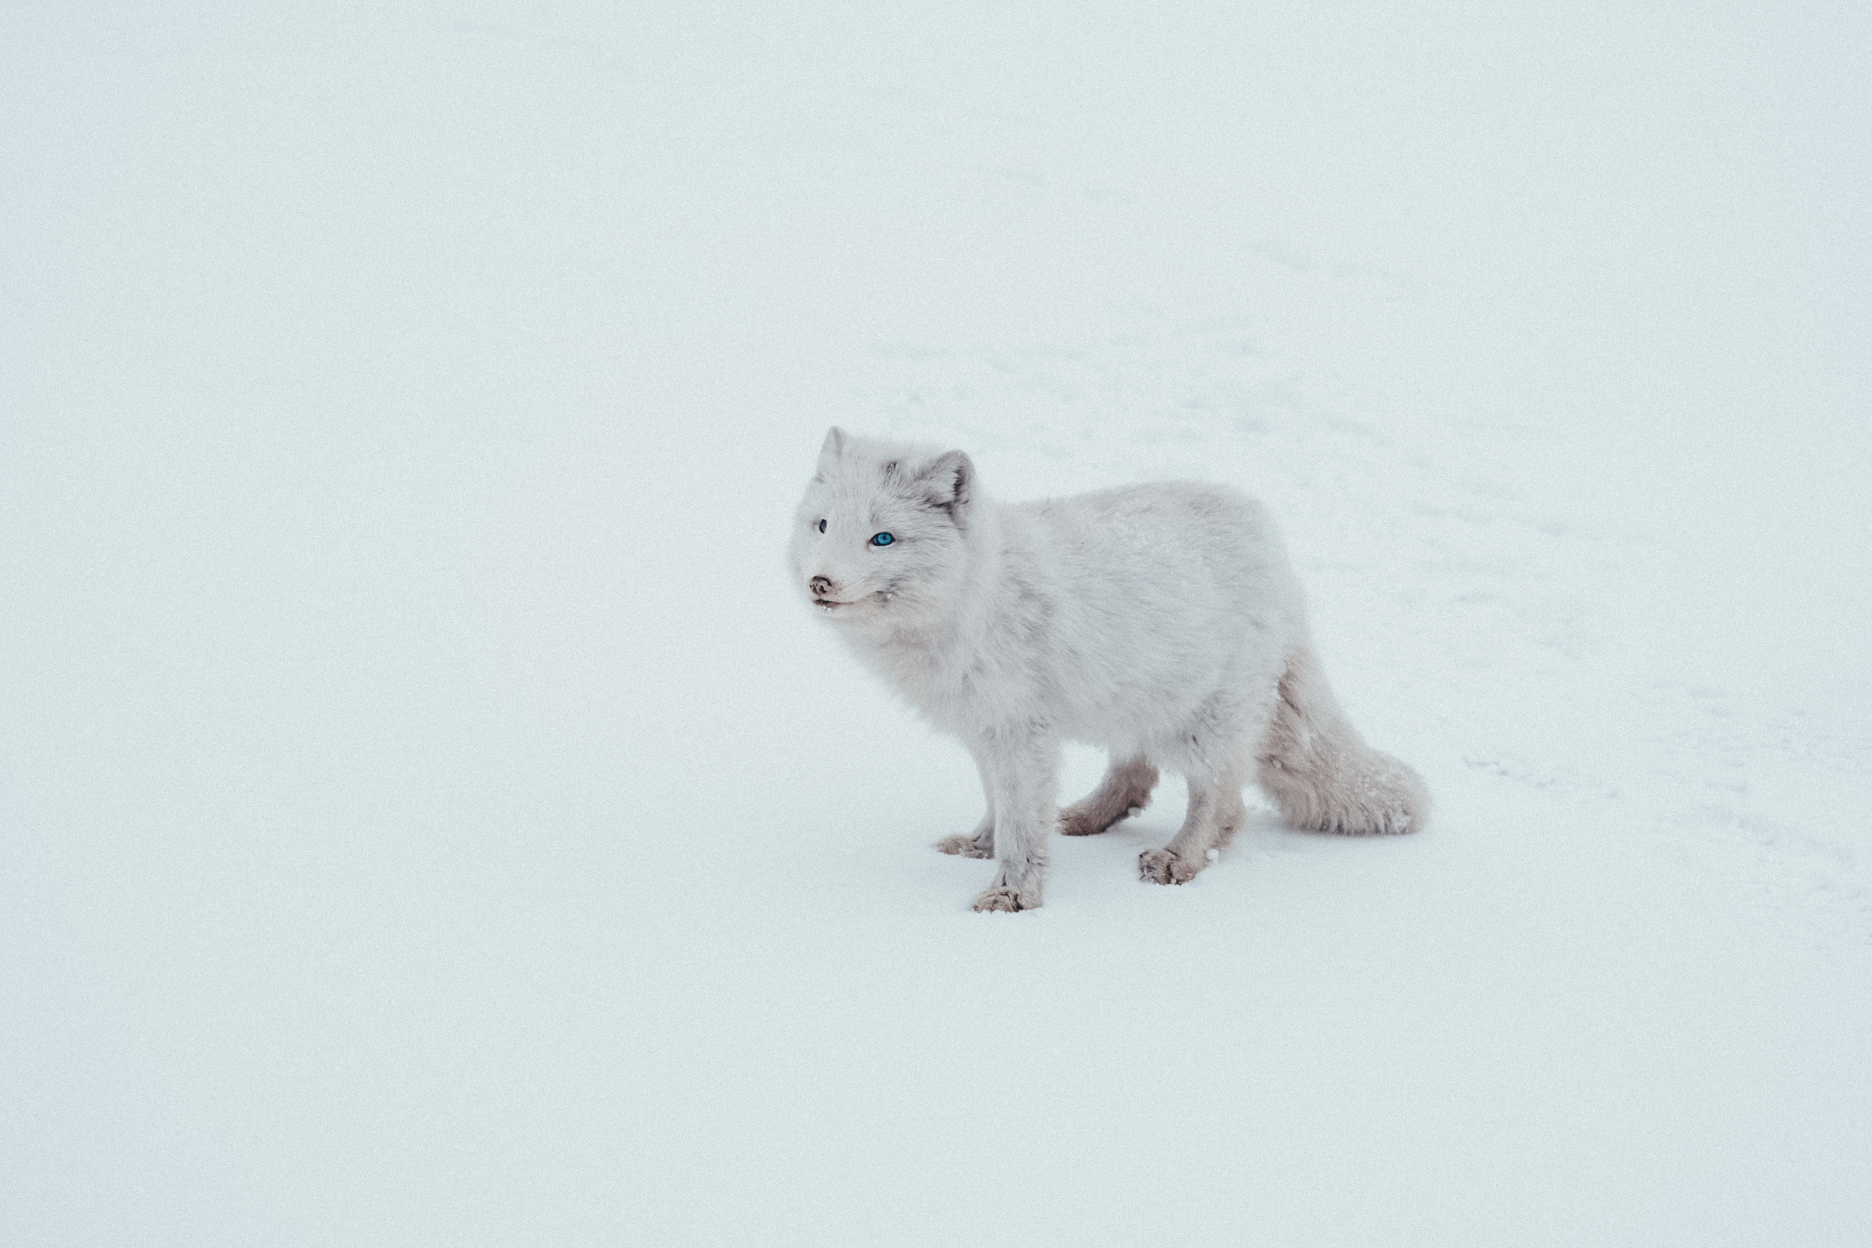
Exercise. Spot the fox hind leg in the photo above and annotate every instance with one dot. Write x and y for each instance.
(1125, 788)
(1216, 813)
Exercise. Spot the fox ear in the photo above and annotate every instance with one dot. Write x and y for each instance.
(833, 447)
(948, 483)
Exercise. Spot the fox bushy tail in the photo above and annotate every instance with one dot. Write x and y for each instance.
(1320, 772)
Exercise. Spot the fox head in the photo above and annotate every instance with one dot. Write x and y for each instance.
(879, 538)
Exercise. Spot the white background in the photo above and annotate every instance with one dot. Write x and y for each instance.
(428, 816)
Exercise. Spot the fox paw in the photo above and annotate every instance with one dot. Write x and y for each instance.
(1084, 821)
(967, 846)
(1004, 899)
(1160, 866)
(1089, 819)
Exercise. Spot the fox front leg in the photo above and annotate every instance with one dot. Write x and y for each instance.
(1023, 773)
(981, 842)
(977, 844)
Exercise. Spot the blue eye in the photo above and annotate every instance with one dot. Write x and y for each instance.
(882, 539)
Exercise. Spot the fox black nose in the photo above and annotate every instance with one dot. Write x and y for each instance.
(820, 586)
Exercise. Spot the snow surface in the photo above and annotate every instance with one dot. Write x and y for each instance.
(431, 819)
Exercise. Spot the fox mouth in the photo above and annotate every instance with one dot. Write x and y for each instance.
(876, 598)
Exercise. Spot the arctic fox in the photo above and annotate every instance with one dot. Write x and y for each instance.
(1161, 622)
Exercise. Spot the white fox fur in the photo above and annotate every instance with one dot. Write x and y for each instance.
(1161, 622)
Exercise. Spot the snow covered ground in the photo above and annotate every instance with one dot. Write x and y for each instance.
(427, 816)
